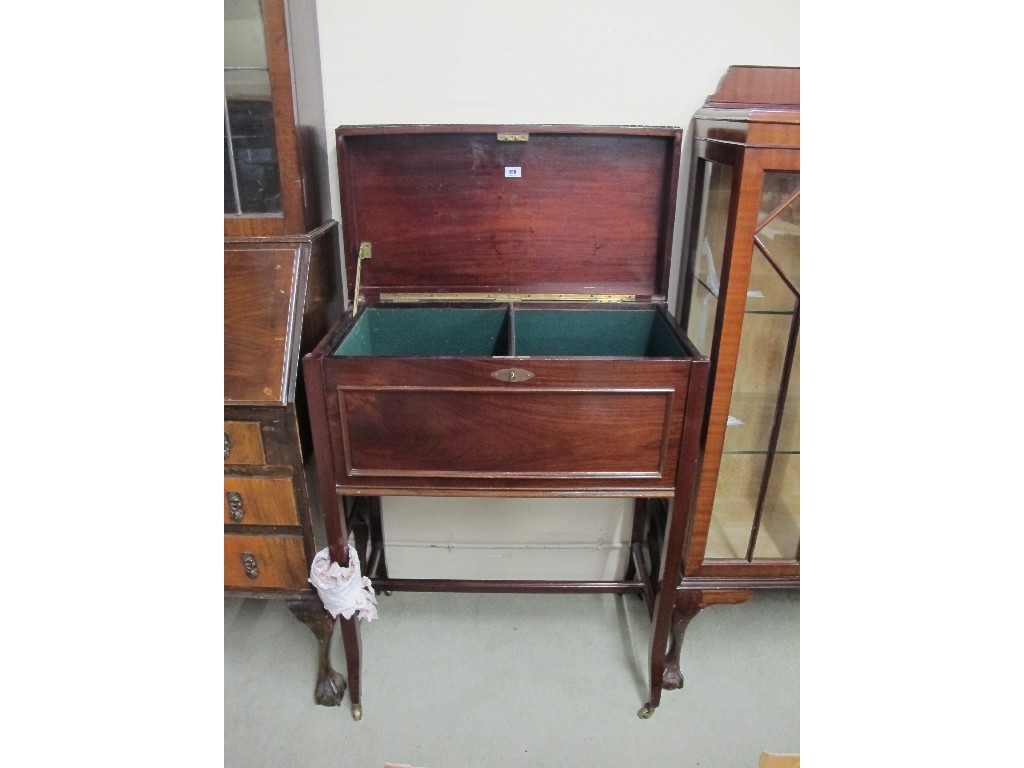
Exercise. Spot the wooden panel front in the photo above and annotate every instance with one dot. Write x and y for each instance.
(265, 562)
(526, 432)
(574, 424)
(259, 501)
(243, 443)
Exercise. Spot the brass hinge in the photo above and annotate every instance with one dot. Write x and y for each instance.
(415, 298)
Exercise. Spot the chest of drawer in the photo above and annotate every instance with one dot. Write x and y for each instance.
(243, 444)
(265, 562)
(259, 501)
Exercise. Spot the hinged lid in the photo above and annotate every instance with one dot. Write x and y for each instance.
(494, 211)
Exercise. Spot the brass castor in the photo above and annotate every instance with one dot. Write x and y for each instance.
(388, 592)
(645, 712)
(357, 712)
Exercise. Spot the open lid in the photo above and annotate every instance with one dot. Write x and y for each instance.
(528, 211)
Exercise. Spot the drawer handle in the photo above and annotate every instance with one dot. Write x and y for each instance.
(512, 375)
(227, 444)
(235, 506)
(252, 568)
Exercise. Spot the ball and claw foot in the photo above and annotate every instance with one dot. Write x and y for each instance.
(357, 712)
(672, 678)
(330, 690)
(645, 712)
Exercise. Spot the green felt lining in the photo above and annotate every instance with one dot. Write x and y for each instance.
(485, 332)
(427, 332)
(594, 333)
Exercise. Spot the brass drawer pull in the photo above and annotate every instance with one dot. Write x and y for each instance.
(235, 506)
(227, 444)
(252, 568)
(512, 375)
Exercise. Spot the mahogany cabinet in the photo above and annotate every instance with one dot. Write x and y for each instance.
(282, 290)
(508, 336)
(740, 303)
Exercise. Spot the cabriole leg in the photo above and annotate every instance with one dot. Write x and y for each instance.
(690, 602)
(688, 605)
(330, 685)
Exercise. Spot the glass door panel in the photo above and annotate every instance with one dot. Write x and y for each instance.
(756, 512)
(716, 180)
(251, 176)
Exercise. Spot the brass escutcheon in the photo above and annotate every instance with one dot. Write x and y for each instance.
(512, 375)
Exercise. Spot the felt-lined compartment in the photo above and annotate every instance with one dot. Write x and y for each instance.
(504, 331)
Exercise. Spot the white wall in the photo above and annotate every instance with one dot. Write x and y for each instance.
(645, 62)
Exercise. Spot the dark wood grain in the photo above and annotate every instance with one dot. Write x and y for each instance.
(592, 212)
(576, 424)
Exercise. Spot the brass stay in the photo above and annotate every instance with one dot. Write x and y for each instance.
(365, 252)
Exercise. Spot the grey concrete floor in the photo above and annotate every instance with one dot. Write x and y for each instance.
(453, 680)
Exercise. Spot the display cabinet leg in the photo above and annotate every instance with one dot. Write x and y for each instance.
(330, 685)
(353, 662)
(688, 605)
(690, 602)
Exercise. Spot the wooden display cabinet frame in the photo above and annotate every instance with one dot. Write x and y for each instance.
(752, 125)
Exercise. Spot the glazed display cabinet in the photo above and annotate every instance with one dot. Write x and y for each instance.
(740, 304)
